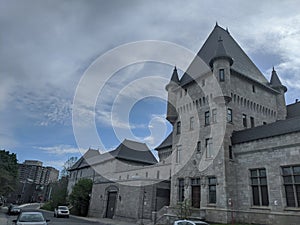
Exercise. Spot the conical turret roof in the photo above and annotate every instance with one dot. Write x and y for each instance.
(275, 81)
(242, 63)
(220, 53)
(175, 77)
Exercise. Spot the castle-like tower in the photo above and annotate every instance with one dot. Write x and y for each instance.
(205, 108)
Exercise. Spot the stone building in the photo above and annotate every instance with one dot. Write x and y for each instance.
(235, 145)
(234, 152)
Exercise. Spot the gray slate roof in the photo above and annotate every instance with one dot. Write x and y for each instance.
(241, 62)
(280, 127)
(133, 151)
(128, 150)
(81, 163)
(166, 143)
(293, 110)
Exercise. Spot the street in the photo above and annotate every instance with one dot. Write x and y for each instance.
(53, 220)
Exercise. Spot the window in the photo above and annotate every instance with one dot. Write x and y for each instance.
(253, 89)
(291, 181)
(209, 147)
(214, 115)
(203, 82)
(199, 146)
(196, 193)
(178, 127)
(259, 187)
(185, 91)
(221, 75)
(178, 154)
(157, 174)
(229, 115)
(146, 174)
(244, 120)
(192, 120)
(180, 189)
(212, 190)
(207, 118)
(252, 121)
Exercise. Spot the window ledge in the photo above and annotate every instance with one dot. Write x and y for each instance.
(292, 209)
(212, 205)
(260, 207)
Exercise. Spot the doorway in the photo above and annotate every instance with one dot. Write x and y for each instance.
(111, 204)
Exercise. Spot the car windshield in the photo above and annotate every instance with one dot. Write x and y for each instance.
(31, 218)
(63, 207)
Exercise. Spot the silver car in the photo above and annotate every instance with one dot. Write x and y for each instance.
(189, 222)
(29, 218)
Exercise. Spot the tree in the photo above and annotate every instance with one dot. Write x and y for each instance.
(183, 210)
(59, 194)
(80, 196)
(67, 165)
(9, 172)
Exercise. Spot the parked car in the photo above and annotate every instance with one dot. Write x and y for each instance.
(29, 218)
(61, 211)
(14, 210)
(189, 222)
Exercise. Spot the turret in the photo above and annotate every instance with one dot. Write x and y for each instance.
(220, 65)
(171, 87)
(280, 98)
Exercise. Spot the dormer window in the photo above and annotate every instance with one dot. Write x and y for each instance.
(221, 75)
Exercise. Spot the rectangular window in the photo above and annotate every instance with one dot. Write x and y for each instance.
(252, 122)
(157, 174)
(185, 91)
(244, 120)
(203, 82)
(212, 190)
(221, 75)
(178, 130)
(253, 88)
(180, 189)
(209, 147)
(214, 115)
(192, 120)
(196, 193)
(229, 115)
(291, 181)
(178, 154)
(207, 115)
(259, 187)
(199, 146)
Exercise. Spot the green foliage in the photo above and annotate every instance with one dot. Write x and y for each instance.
(80, 196)
(58, 196)
(9, 172)
(183, 209)
(47, 206)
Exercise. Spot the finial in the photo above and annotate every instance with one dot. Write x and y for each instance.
(217, 23)
(273, 69)
(175, 69)
(227, 30)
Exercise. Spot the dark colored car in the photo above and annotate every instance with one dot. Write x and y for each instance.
(14, 210)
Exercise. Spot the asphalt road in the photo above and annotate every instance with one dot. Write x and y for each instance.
(57, 221)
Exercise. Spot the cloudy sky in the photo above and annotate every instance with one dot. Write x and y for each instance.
(46, 47)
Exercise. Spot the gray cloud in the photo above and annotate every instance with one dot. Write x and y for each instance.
(47, 45)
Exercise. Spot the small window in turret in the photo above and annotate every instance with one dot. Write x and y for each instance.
(221, 75)
(253, 89)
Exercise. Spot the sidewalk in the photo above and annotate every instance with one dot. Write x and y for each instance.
(3, 217)
(106, 221)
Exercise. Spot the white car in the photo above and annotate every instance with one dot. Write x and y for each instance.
(189, 222)
(29, 218)
(61, 211)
